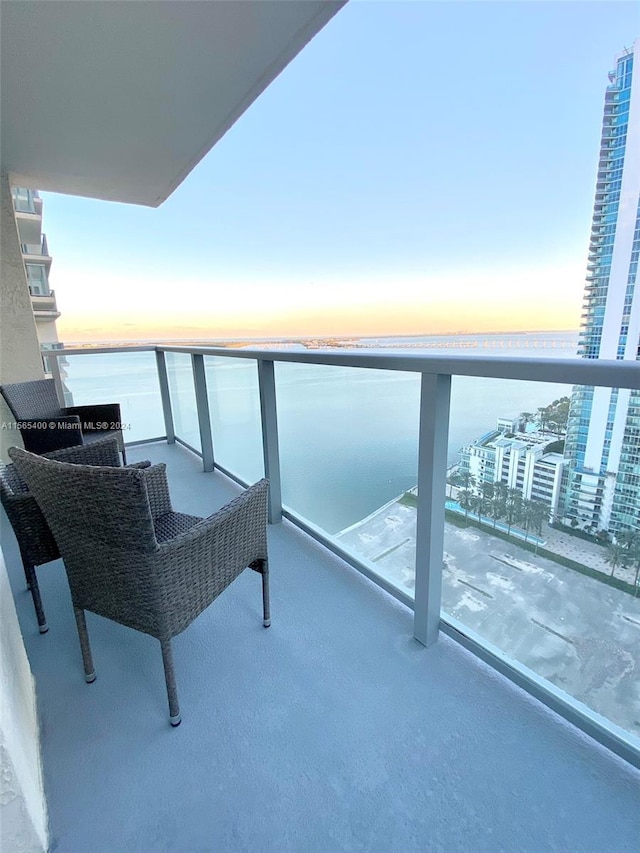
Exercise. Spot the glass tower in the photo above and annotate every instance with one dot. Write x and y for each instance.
(602, 479)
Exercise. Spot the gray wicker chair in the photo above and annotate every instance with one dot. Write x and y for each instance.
(130, 558)
(45, 425)
(37, 545)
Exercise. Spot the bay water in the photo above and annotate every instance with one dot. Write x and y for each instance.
(348, 436)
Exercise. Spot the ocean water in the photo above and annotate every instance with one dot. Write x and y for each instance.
(348, 436)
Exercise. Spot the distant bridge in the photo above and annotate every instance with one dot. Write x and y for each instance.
(479, 343)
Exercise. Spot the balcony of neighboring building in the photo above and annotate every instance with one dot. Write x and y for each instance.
(44, 305)
(27, 205)
(26, 201)
(37, 252)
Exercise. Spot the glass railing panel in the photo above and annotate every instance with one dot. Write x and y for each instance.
(542, 554)
(234, 409)
(349, 447)
(127, 378)
(183, 398)
(23, 205)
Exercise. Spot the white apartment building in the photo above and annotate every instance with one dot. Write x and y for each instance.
(521, 460)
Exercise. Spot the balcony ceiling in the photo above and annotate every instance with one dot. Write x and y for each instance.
(120, 101)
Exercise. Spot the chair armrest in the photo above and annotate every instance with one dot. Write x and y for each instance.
(97, 418)
(196, 566)
(44, 435)
(102, 452)
(155, 478)
(142, 465)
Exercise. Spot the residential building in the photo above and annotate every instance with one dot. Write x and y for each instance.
(602, 478)
(524, 459)
(37, 263)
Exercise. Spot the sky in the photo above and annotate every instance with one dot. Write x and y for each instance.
(419, 168)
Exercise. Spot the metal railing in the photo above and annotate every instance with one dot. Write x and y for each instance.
(435, 373)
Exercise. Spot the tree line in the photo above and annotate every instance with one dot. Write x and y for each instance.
(552, 418)
(497, 502)
(625, 553)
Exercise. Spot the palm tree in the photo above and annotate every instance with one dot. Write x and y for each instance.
(467, 480)
(539, 513)
(486, 496)
(498, 501)
(525, 418)
(513, 507)
(465, 499)
(543, 417)
(635, 560)
(477, 502)
(629, 540)
(527, 516)
(616, 556)
(559, 413)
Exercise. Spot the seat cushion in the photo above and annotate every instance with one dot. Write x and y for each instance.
(172, 524)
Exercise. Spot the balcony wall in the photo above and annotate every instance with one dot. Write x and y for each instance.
(23, 810)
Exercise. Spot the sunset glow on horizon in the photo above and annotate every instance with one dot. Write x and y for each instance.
(365, 308)
(357, 197)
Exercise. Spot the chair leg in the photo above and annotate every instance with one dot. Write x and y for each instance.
(32, 583)
(87, 660)
(266, 606)
(27, 577)
(175, 717)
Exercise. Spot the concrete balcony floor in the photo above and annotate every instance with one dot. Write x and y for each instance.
(331, 731)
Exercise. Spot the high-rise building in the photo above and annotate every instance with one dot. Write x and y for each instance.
(37, 262)
(602, 479)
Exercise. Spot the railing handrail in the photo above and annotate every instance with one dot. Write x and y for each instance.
(606, 373)
(103, 350)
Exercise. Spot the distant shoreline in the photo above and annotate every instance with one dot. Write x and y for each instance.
(313, 341)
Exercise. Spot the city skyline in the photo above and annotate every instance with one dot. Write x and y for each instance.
(402, 176)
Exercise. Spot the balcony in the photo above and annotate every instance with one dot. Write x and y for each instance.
(29, 220)
(363, 738)
(44, 305)
(37, 252)
(332, 731)
(28, 203)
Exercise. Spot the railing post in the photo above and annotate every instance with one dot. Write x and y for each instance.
(269, 420)
(165, 397)
(435, 396)
(202, 405)
(57, 377)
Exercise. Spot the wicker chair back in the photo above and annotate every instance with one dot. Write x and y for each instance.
(29, 400)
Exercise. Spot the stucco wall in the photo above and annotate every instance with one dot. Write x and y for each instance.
(19, 349)
(23, 817)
